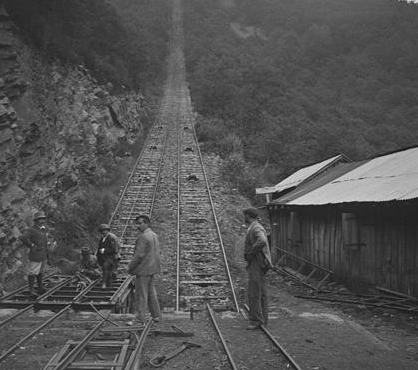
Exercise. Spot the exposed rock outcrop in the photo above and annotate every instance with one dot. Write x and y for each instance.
(59, 131)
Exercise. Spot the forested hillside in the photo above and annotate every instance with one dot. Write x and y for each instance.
(128, 51)
(283, 83)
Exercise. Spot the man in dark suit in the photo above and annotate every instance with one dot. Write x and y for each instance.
(257, 255)
(107, 253)
(35, 238)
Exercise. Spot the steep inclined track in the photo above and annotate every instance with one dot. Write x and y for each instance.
(171, 164)
(168, 183)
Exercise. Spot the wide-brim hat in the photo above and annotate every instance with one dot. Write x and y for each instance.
(85, 250)
(104, 227)
(39, 216)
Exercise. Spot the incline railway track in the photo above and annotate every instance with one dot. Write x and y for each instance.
(201, 255)
(168, 183)
(66, 288)
(103, 347)
(63, 294)
(138, 195)
(171, 151)
(273, 355)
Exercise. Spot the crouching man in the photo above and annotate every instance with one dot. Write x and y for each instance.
(88, 264)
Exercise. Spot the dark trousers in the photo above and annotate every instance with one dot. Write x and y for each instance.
(107, 267)
(257, 294)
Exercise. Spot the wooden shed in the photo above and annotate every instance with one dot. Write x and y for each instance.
(357, 219)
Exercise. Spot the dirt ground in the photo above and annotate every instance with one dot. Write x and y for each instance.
(318, 336)
(330, 336)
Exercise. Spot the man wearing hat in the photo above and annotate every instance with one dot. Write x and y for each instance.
(145, 265)
(88, 264)
(107, 253)
(36, 239)
(257, 255)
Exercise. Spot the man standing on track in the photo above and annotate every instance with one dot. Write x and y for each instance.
(35, 238)
(107, 253)
(257, 255)
(144, 265)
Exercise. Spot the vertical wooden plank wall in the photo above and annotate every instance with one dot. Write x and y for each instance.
(274, 233)
(411, 277)
(388, 251)
(378, 250)
(401, 262)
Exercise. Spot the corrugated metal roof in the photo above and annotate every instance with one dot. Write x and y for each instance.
(300, 176)
(317, 182)
(386, 178)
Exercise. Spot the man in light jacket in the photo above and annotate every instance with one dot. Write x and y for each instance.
(257, 255)
(144, 265)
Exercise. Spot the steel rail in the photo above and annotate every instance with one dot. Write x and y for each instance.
(178, 217)
(18, 290)
(216, 221)
(277, 344)
(87, 289)
(65, 309)
(222, 339)
(31, 334)
(132, 206)
(177, 69)
(154, 194)
(70, 357)
(137, 196)
(27, 308)
(156, 121)
(16, 314)
(54, 289)
(22, 288)
(134, 359)
(116, 296)
(138, 170)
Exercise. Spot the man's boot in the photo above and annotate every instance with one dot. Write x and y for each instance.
(31, 281)
(41, 289)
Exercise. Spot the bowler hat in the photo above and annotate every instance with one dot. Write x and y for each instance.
(39, 215)
(104, 227)
(252, 212)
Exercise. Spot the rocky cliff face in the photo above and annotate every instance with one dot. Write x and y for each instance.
(59, 132)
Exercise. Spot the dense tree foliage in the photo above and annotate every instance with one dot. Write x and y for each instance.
(295, 81)
(93, 33)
